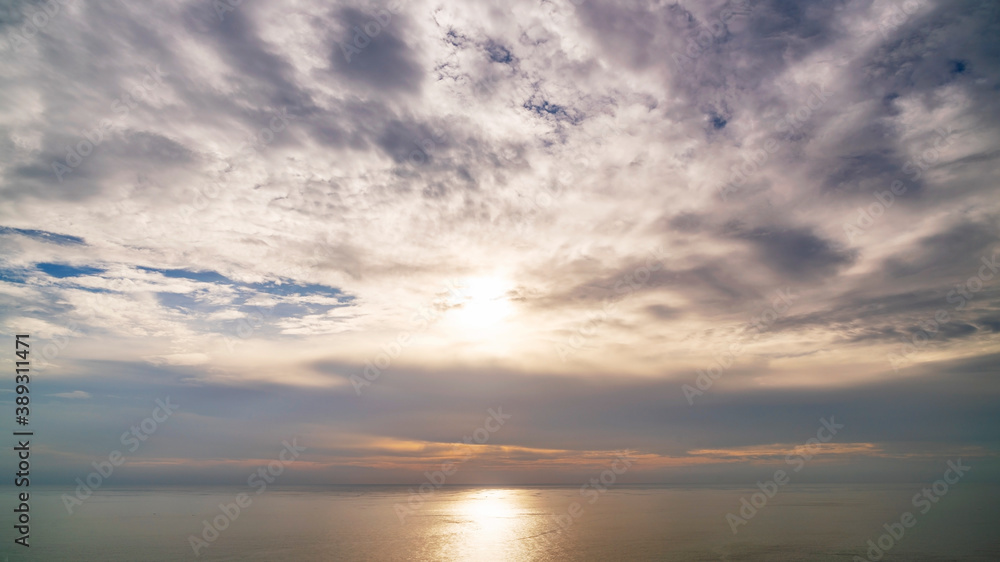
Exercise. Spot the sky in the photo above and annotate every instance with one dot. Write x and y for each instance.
(692, 233)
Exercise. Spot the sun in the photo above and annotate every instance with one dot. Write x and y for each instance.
(481, 303)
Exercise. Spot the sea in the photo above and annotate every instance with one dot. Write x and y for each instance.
(520, 523)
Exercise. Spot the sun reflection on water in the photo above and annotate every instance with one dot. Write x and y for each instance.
(490, 525)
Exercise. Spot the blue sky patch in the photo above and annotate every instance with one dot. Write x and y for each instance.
(203, 276)
(12, 275)
(62, 271)
(282, 288)
(45, 236)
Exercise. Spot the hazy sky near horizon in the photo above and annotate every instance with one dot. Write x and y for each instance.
(365, 228)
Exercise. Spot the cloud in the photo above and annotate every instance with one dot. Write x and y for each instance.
(76, 394)
(371, 51)
(795, 253)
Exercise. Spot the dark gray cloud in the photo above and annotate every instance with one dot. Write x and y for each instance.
(269, 75)
(380, 58)
(593, 413)
(794, 252)
(942, 255)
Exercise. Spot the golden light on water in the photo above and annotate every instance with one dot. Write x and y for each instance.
(490, 525)
(487, 507)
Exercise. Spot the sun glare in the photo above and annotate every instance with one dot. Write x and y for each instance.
(482, 303)
(486, 525)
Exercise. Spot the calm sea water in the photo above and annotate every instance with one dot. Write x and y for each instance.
(520, 523)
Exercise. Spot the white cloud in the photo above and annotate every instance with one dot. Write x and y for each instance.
(75, 395)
